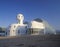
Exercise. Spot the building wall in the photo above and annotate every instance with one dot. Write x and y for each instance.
(49, 29)
(35, 31)
(21, 30)
(36, 28)
(39, 25)
(33, 28)
(16, 29)
(41, 28)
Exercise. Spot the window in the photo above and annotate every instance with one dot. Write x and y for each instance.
(18, 31)
(14, 26)
(41, 31)
(26, 27)
(13, 30)
(6, 33)
(31, 31)
(35, 32)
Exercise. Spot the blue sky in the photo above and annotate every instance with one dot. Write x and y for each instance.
(48, 10)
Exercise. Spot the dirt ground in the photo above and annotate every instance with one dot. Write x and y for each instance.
(31, 41)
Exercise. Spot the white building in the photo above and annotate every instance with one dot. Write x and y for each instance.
(35, 27)
(17, 29)
(40, 27)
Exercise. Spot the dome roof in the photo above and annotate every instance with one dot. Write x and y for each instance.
(38, 20)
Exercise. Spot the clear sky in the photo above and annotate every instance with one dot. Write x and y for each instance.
(45, 9)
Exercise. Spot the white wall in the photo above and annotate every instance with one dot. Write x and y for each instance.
(48, 28)
(37, 27)
(42, 26)
(14, 30)
(35, 24)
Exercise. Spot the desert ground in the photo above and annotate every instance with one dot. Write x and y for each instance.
(31, 41)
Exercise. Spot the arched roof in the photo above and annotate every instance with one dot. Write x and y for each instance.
(38, 20)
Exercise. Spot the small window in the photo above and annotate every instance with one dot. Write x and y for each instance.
(9, 30)
(26, 27)
(18, 31)
(13, 30)
(14, 26)
(6, 33)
